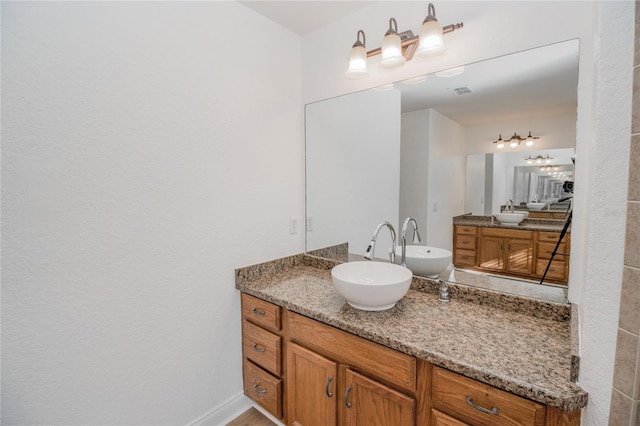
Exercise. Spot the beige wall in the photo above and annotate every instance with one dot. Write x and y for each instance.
(625, 398)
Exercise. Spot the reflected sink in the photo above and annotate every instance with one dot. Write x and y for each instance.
(510, 218)
(425, 261)
(536, 206)
(370, 285)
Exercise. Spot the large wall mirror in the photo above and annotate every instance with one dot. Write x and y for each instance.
(419, 148)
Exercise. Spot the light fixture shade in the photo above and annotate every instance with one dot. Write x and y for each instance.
(358, 58)
(392, 47)
(357, 63)
(431, 41)
(431, 36)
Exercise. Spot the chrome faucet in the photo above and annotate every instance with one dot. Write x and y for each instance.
(372, 244)
(510, 206)
(403, 238)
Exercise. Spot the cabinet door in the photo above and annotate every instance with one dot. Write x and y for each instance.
(520, 256)
(311, 388)
(492, 253)
(368, 402)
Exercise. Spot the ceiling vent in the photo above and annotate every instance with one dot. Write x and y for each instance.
(460, 90)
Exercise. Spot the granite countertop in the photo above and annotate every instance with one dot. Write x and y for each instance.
(509, 345)
(546, 225)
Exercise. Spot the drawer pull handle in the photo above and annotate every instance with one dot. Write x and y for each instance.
(326, 388)
(257, 312)
(346, 397)
(493, 411)
(259, 389)
(258, 349)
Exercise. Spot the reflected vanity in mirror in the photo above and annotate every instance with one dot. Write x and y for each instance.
(423, 148)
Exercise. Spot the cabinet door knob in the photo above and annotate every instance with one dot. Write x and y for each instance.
(257, 312)
(493, 411)
(346, 397)
(326, 388)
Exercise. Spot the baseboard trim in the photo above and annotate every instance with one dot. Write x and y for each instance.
(225, 412)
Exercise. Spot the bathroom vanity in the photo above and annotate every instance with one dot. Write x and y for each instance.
(481, 359)
(522, 251)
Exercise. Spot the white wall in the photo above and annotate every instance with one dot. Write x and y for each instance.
(605, 30)
(353, 150)
(148, 150)
(446, 182)
(414, 154)
(433, 174)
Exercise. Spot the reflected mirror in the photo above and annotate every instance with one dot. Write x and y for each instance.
(425, 148)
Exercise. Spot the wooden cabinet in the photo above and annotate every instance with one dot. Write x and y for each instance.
(337, 378)
(307, 373)
(476, 403)
(513, 252)
(459, 401)
(261, 351)
(312, 388)
(369, 402)
(465, 245)
(506, 250)
(559, 267)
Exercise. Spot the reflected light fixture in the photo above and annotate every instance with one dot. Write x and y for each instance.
(392, 47)
(358, 58)
(529, 139)
(539, 159)
(451, 72)
(397, 48)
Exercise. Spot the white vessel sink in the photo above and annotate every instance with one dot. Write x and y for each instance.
(536, 206)
(510, 218)
(370, 285)
(425, 261)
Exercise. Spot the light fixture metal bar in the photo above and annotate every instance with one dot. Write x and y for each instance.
(410, 41)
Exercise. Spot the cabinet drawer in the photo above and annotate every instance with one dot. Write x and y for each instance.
(507, 233)
(262, 347)
(371, 358)
(467, 242)
(557, 270)
(439, 418)
(469, 230)
(465, 258)
(263, 388)
(480, 404)
(551, 236)
(545, 250)
(260, 312)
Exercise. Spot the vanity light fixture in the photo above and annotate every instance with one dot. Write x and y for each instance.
(515, 140)
(397, 48)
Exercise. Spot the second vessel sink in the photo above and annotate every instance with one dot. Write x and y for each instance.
(510, 218)
(425, 261)
(370, 285)
(536, 206)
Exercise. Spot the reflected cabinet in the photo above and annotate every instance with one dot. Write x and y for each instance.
(512, 252)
